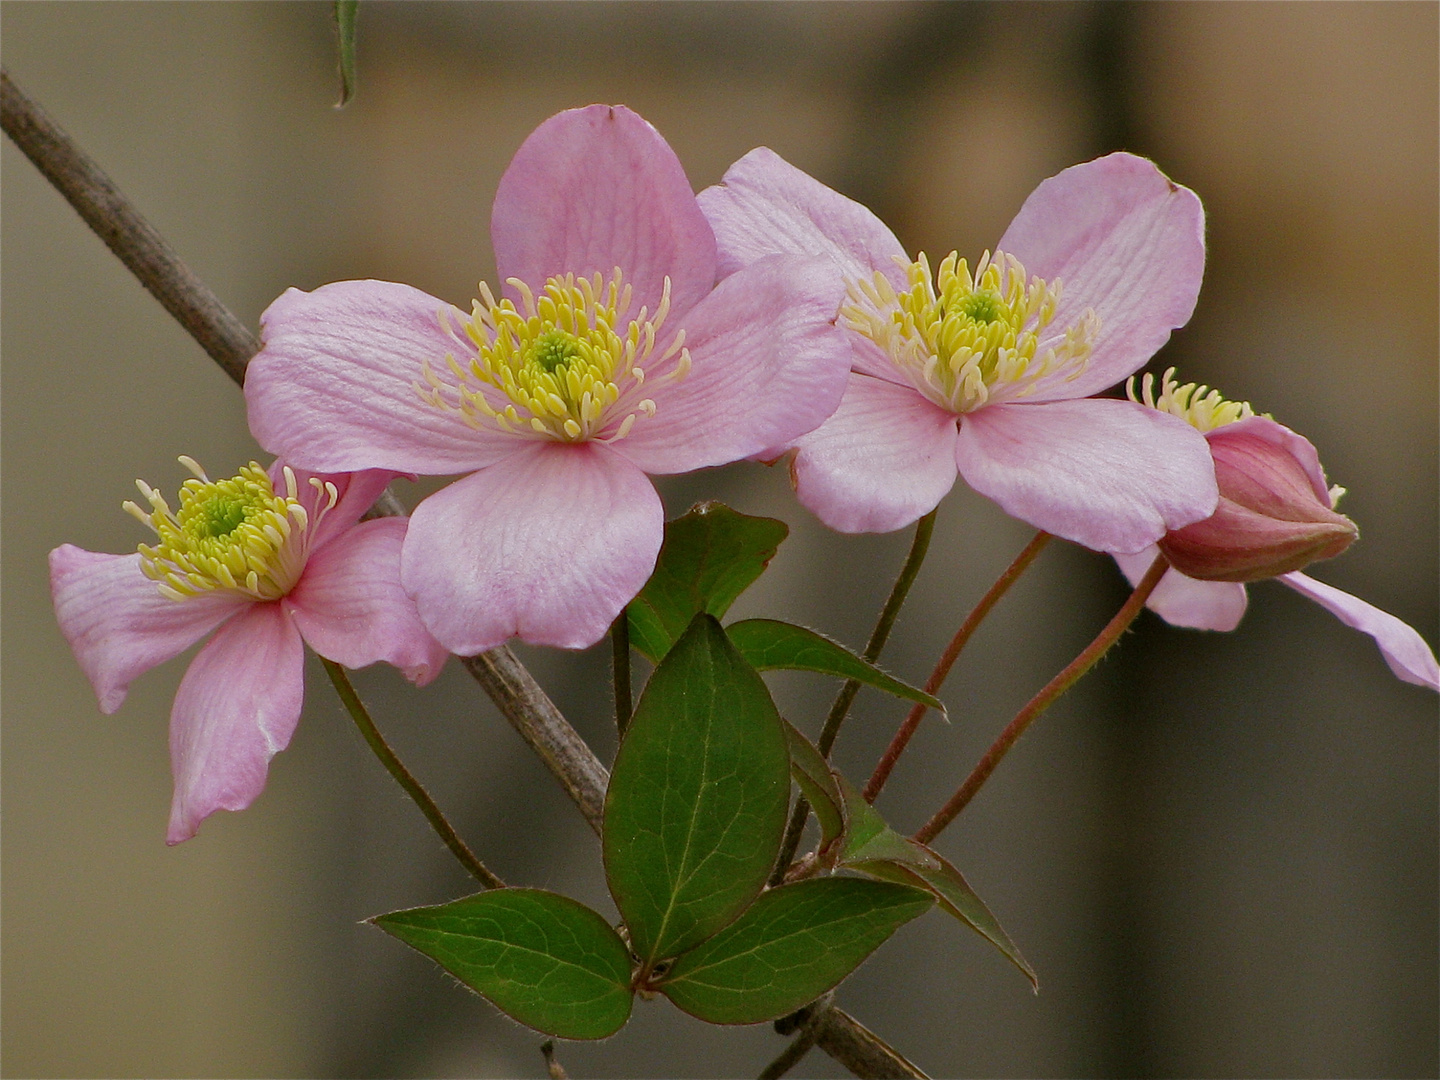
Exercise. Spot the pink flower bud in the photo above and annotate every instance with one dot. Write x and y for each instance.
(1275, 513)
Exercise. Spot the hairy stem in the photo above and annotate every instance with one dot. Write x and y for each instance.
(846, 1040)
(356, 708)
(846, 697)
(620, 664)
(947, 660)
(1043, 700)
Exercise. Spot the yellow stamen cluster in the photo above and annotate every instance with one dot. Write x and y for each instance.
(968, 341)
(235, 534)
(559, 368)
(1199, 406)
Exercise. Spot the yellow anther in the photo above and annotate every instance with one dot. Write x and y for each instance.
(556, 365)
(236, 534)
(967, 341)
(1199, 406)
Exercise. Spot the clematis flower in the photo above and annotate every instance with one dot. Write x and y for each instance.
(265, 560)
(1276, 515)
(988, 372)
(613, 354)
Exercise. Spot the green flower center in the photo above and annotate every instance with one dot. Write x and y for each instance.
(215, 517)
(554, 349)
(237, 534)
(985, 306)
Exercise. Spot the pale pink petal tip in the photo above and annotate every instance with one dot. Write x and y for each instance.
(351, 609)
(1124, 240)
(334, 387)
(236, 708)
(1405, 651)
(1183, 601)
(766, 206)
(595, 188)
(856, 481)
(118, 624)
(547, 546)
(1109, 475)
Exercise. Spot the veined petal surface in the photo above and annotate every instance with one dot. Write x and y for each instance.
(768, 365)
(333, 389)
(765, 206)
(547, 546)
(884, 459)
(1123, 239)
(351, 609)
(1405, 651)
(1183, 601)
(596, 188)
(1110, 475)
(236, 708)
(118, 624)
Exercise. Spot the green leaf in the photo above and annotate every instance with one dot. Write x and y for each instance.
(546, 960)
(710, 556)
(872, 847)
(770, 644)
(793, 944)
(956, 897)
(698, 796)
(812, 772)
(346, 12)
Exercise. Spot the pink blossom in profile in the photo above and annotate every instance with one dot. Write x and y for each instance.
(988, 372)
(1252, 453)
(265, 561)
(612, 354)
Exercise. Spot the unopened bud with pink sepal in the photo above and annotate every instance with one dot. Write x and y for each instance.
(1275, 516)
(1275, 513)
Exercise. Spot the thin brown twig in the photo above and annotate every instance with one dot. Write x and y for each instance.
(947, 660)
(1052, 690)
(113, 218)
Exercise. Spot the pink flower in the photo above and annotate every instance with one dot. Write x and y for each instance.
(614, 354)
(1250, 453)
(984, 372)
(263, 569)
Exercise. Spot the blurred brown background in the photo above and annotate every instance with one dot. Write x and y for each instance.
(1220, 853)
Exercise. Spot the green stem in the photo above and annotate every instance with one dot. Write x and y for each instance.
(356, 708)
(1044, 699)
(947, 660)
(620, 663)
(846, 697)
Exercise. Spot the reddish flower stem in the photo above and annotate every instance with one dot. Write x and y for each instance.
(947, 660)
(1043, 700)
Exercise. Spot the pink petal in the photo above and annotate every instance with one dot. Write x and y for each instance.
(350, 608)
(236, 708)
(1409, 657)
(596, 188)
(548, 546)
(766, 206)
(1124, 240)
(1183, 601)
(884, 459)
(1296, 445)
(333, 389)
(768, 366)
(118, 624)
(356, 493)
(1111, 475)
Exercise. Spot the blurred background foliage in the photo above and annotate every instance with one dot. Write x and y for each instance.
(1220, 853)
